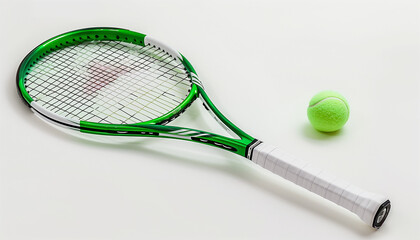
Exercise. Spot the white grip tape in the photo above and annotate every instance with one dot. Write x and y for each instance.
(364, 204)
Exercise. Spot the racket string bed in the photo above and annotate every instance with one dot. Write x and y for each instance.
(109, 82)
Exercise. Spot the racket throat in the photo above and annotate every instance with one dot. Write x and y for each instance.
(214, 116)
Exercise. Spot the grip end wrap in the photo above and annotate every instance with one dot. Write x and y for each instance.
(381, 214)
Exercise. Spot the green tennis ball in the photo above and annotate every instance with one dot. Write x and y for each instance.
(328, 111)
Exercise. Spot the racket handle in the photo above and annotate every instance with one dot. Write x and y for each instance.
(370, 207)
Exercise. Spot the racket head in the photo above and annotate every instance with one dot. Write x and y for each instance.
(106, 76)
(66, 79)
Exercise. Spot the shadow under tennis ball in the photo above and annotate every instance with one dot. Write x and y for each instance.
(309, 132)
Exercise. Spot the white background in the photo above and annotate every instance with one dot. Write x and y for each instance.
(261, 62)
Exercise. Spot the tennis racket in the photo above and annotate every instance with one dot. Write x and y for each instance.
(111, 81)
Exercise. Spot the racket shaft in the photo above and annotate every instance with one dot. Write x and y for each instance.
(365, 204)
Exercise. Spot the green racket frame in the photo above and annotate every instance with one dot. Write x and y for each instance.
(152, 128)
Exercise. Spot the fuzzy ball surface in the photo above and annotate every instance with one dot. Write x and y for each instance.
(328, 111)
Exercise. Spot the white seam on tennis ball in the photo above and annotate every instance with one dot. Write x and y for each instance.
(313, 105)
